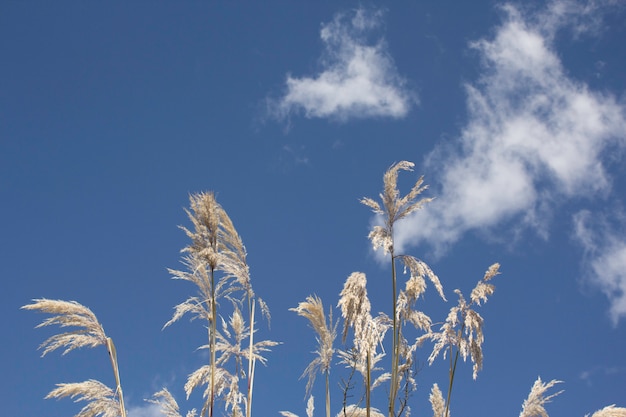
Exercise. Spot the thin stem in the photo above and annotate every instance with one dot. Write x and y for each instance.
(212, 341)
(347, 386)
(251, 361)
(393, 391)
(327, 394)
(116, 372)
(368, 384)
(452, 373)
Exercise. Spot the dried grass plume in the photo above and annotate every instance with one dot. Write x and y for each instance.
(89, 332)
(534, 405)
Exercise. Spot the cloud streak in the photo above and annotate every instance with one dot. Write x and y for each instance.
(534, 137)
(358, 78)
(605, 258)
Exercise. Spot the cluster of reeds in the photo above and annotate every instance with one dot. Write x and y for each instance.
(215, 263)
(460, 335)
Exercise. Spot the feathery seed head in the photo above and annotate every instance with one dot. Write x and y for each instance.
(215, 241)
(394, 207)
(436, 401)
(310, 407)
(205, 215)
(381, 238)
(399, 208)
(534, 405)
(373, 204)
(237, 324)
(468, 339)
(100, 399)
(166, 402)
(313, 310)
(492, 272)
(354, 304)
(610, 411)
(416, 284)
(481, 292)
(69, 314)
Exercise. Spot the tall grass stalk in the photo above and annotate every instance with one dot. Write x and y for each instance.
(313, 310)
(88, 332)
(462, 332)
(393, 209)
(216, 248)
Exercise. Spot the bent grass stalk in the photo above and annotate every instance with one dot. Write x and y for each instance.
(89, 333)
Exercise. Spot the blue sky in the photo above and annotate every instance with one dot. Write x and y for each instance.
(111, 114)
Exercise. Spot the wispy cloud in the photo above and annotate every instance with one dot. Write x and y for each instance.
(605, 257)
(145, 410)
(534, 138)
(358, 78)
(590, 374)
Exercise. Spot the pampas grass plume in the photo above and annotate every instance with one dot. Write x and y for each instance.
(534, 405)
(101, 399)
(90, 332)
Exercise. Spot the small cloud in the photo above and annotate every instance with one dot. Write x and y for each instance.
(145, 410)
(605, 258)
(296, 155)
(534, 139)
(600, 371)
(358, 78)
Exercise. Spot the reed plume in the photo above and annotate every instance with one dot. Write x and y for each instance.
(534, 405)
(101, 400)
(369, 332)
(310, 408)
(168, 405)
(436, 401)
(610, 411)
(313, 310)
(462, 332)
(87, 332)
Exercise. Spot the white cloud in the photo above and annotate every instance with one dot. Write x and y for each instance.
(358, 77)
(534, 138)
(145, 410)
(605, 258)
